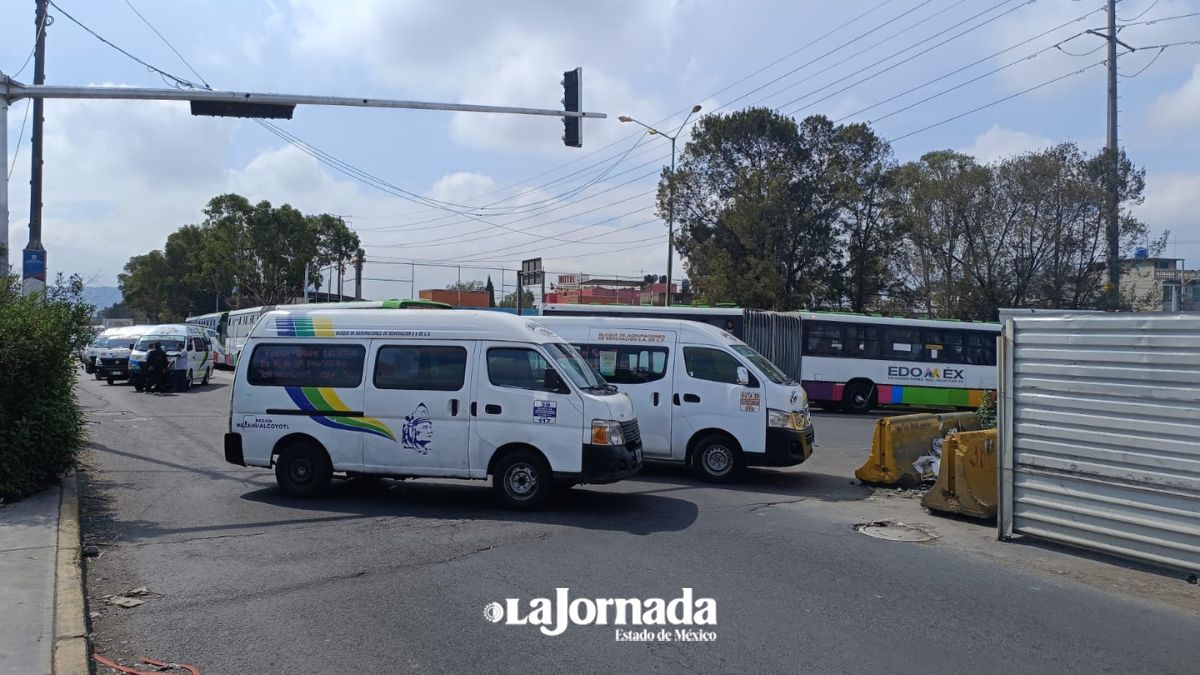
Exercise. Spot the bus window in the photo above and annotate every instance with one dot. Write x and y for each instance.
(822, 339)
(981, 349)
(901, 344)
(944, 346)
(861, 341)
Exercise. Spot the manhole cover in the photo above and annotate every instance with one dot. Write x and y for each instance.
(894, 531)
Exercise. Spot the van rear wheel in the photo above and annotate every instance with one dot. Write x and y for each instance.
(717, 459)
(303, 470)
(522, 480)
(207, 375)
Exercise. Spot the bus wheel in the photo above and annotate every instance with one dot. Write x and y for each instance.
(716, 459)
(303, 470)
(522, 480)
(859, 397)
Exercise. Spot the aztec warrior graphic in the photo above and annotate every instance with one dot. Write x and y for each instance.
(417, 433)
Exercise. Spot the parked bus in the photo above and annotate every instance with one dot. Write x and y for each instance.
(233, 327)
(852, 361)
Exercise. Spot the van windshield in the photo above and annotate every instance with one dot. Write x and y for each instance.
(170, 343)
(761, 362)
(574, 368)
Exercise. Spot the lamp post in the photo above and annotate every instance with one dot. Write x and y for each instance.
(671, 208)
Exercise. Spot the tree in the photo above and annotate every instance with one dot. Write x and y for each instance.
(473, 285)
(510, 300)
(241, 255)
(757, 216)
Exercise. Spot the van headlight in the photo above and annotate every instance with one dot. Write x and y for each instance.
(607, 432)
(788, 420)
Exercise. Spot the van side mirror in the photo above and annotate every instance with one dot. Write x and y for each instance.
(743, 375)
(553, 382)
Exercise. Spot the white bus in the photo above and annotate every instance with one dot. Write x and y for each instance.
(853, 362)
(233, 327)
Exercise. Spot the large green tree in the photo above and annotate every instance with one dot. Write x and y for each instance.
(241, 255)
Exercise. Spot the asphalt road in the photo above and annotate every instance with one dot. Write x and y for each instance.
(395, 577)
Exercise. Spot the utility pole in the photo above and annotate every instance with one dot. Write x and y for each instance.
(4, 188)
(358, 265)
(33, 258)
(1112, 155)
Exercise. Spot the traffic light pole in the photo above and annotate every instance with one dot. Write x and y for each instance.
(204, 103)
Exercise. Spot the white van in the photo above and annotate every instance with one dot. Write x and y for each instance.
(703, 397)
(409, 393)
(111, 361)
(188, 348)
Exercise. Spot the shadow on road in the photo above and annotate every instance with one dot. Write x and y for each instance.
(791, 483)
(577, 508)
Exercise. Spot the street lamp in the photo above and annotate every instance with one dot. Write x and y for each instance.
(671, 208)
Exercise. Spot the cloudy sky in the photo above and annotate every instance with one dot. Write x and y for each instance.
(474, 193)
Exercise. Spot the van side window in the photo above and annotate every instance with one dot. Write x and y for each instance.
(307, 365)
(517, 368)
(626, 364)
(426, 368)
(711, 364)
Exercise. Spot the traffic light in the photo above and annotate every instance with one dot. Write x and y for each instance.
(572, 100)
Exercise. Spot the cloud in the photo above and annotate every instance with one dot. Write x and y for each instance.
(1179, 109)
(509, 54)
(999, 143)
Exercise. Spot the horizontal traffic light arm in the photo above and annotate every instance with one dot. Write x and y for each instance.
(13, 91)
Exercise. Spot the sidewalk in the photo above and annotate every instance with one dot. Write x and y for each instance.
(28, 543)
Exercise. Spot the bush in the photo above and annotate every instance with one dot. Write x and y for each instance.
(986, 413)
(41, 428)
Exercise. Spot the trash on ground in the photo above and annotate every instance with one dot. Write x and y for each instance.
(928, 466)
(890, 530)
(131, 598)
(159, 666)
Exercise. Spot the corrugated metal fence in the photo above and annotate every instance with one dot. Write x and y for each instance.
(1100, 434)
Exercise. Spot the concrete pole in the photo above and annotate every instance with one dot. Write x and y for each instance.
(671, 228)
(1112, 233)
(4, 266)
(33, 266)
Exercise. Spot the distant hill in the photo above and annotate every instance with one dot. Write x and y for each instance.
(102, 297)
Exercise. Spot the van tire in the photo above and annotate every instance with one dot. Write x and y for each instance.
(717, 459)
(187, 384)
(522, 480)
(207, 375)
(859, 397)
(111, 379)
(303, 470)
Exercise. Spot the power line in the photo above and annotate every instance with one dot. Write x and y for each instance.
(20, 137)
(167, 43)
(1147, 66)
(914, 56)
(46, 20)
(970, 65)
(995, 102)
(1143, 13)
(1149, 22)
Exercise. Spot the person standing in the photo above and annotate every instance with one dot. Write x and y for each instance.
(156, 368)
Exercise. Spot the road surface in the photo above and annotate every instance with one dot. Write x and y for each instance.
(395, 577)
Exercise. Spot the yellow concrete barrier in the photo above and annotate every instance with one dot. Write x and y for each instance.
(900, 440)
(966, 482)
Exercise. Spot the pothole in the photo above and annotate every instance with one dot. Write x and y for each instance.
(890, 530)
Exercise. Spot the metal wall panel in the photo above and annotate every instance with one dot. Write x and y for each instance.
(1100, 434)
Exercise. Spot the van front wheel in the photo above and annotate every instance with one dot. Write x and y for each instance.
(303, 470)
(522, 480)
(716, 459)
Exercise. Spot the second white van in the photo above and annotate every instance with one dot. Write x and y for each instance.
(704, 397)
(414, 393)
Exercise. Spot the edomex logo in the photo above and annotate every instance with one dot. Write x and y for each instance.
(919, 373)
(647, 619)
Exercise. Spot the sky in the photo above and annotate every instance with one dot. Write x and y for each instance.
(451, 196)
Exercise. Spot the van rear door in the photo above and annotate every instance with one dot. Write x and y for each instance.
(420, 392)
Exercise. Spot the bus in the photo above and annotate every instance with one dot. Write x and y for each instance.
(233, 327)
(852, 362)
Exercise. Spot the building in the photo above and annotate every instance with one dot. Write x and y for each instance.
(472, 299)
(579, 289)
(1160, 284)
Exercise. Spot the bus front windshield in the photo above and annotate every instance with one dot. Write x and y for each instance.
(575, 368)
(761, 362)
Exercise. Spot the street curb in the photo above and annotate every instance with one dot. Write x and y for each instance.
(70, 655)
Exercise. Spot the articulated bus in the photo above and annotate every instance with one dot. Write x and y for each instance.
(233, 327)
(853, 362)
